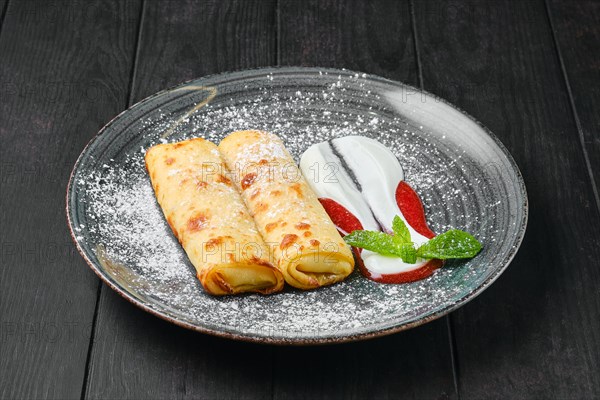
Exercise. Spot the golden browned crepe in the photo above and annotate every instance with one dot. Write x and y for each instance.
(305, 243)
(209, 218)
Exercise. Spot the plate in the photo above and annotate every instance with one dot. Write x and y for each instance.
(464, 175)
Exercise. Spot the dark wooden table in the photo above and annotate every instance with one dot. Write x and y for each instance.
(529, 70)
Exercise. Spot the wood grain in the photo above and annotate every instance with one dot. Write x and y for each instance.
(139, 356)
(577, 33)
(190, 39)
(535, 332)
(63, 74)
(66, 69)
(136, 355)
(3, 11)
(414, 364)
(374, 37)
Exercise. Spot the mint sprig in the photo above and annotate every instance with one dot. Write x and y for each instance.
(382, 243)
(451, 244)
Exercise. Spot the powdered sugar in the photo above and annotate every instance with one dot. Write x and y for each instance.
(119, 213)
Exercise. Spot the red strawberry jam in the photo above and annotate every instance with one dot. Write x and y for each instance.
(412, 209)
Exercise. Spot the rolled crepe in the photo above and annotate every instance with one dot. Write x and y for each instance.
(209, 218)
(305, 243)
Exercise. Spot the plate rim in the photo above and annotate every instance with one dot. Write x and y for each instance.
(279, 340)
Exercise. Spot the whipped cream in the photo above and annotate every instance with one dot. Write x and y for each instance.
(378, 172)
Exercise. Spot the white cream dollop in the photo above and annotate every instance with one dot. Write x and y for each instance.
(378, 172)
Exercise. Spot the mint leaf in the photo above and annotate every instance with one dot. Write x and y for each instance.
(408, 253)
(382, 243)
(378, 242)
(452, 244)
(400, 229)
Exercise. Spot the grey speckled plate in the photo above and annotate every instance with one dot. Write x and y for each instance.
(464, 175)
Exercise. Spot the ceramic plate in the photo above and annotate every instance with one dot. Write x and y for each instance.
(464, 175)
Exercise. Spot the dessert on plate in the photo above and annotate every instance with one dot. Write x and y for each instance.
(250, 219)
(366, 191)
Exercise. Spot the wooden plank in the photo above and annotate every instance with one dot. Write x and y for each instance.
(63, 74)
(197, 38)
(374, 37)
(414, 364)
(577, 33)
(3, 11)
(136, 355)
(535, 332)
